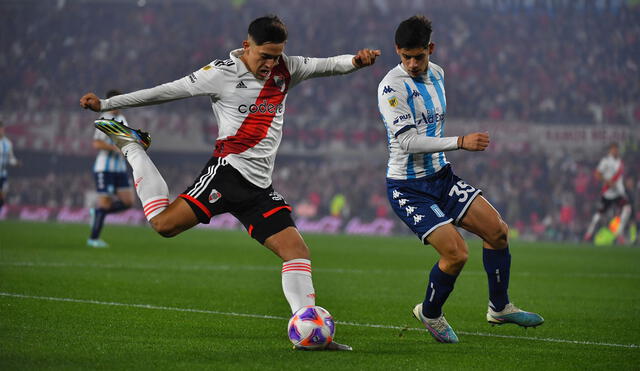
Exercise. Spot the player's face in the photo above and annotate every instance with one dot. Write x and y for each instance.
(261, 59)
(415, 60)
(613, 150)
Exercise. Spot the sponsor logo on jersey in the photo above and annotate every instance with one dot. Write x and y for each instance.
(387, 89)
(263, 107)
(393, 101)
(137, 182)
(404, 117)
(241, 85)
(276, 196)
(193, 78)
(431, 117)
(214, 196)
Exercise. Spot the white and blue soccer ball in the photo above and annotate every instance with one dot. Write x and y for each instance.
(311, 327)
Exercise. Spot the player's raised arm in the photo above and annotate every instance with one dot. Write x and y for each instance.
(303, 68)
(90, 101)
(201, 82)
(365, 57)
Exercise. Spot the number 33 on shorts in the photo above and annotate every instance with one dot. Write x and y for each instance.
(462, 190)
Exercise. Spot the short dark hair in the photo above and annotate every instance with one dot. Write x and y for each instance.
(268, 29)
(414, 32)
(113, 93)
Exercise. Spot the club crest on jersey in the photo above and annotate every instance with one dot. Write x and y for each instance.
(393, 101)
(214, 196)
(279, 81)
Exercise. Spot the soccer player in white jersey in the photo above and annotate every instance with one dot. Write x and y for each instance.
(111, 175)
(426, 194)
(7, 158)
(248, 93)
(610, 172)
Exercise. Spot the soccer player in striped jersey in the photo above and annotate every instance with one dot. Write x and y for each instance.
(248, 93)
(610, 172)
(7, 158)
(426, 194)
(112, 179)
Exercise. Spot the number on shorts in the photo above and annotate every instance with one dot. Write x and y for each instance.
(462, 190)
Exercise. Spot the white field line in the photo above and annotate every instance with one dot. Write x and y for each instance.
(262, 316)
(274, 268)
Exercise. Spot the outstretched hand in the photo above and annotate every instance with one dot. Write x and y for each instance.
(474, 141)
(365, 57)
(90, 101)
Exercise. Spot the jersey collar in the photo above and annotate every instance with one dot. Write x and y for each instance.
(241, 69)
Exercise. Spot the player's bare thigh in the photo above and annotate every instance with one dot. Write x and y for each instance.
(176, 218)
(126, 196)
(483, 220)
(288, 244)
(451, 246)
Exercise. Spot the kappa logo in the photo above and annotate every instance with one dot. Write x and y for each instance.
(415, 93)
(193, 78)
(387, 89)
(241, 85)
(417, 218)
(214, 196)
(393, 101)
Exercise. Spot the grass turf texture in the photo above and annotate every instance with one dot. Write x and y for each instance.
(586, 294)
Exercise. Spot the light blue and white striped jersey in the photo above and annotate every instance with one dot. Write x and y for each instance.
(407, 102)
(6, 156)
(112, 161)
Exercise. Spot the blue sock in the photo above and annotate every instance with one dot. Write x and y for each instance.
(497, 264)
(440, 286)
(117, 206)
(98, 221)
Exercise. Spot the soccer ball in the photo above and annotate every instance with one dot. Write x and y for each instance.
(311, 327)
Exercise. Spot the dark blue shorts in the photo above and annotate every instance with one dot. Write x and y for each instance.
(108, 182)
(427, 203)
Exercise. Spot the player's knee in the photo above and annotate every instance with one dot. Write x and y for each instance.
(164, 227)
(500, 236)
(456, 258)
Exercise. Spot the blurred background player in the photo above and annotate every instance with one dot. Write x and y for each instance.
(7, 158)
(248, 92)
(425, 193)
(112, 179)
(610, 172)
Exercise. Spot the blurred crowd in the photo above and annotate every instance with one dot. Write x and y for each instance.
(541, 196)
(558, 61)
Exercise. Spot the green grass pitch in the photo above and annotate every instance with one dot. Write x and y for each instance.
(212, 300)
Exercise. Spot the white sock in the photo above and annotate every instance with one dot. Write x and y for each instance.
(594, 222)
(150, 186)
(297, 284)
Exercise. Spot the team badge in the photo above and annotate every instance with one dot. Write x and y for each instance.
(207, 67)
(279, 81)
(214, 196)
(393, 101)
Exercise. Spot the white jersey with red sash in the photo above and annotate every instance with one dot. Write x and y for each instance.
(612, 170)
(249, 111)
